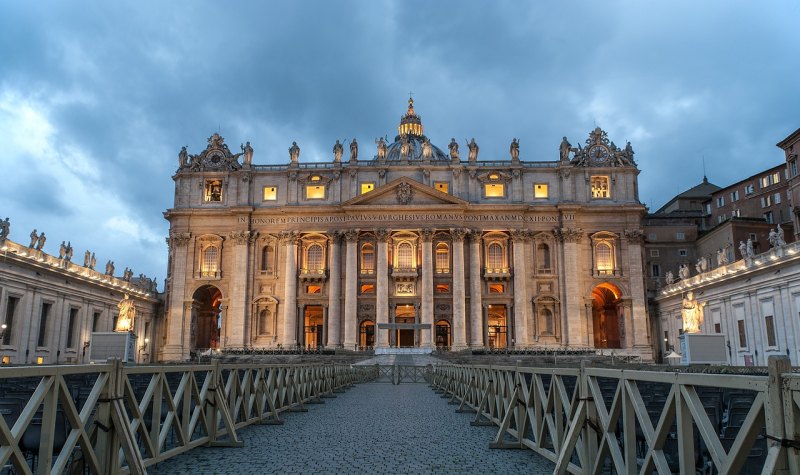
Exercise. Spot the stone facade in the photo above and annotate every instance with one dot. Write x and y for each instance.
(408, 247)
(50, 306)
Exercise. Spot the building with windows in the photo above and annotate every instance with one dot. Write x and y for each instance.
(790, 147)
(51, 305)
(409, 247)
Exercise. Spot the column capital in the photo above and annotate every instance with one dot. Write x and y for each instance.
(476, 235)
(241, 238)
(288, 237)
(458, 234)
(351, 235)
(426, 233)
(634, 235)
(178, 239)
(334, 236)
(569, 234)
(382, 235)
(519, 235)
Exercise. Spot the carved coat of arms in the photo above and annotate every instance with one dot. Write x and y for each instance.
(404, 193)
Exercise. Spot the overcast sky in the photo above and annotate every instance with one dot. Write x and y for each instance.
(97, 98)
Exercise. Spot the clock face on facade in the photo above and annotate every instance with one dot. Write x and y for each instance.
(598, 154)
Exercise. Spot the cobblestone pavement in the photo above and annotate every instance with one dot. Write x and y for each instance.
(372, 428)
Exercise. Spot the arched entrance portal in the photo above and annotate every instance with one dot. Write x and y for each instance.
(605, 316)
(206, 318)
(312, 326)
(442, 334)
(497, 327)
(367, 334)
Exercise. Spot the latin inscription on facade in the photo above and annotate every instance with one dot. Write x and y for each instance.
(415, 217)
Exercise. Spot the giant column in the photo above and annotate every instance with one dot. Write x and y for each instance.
(350, 287)
(178, 318)
(382, 288)
(426, 292)
(459, 293)
(289, 241)
(521, 304)
(475, 300)
(570, 237)
(334, 294)
(638, 318)
(237, 323)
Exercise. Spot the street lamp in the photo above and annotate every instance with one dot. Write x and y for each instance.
(3, 328)
(143, 348)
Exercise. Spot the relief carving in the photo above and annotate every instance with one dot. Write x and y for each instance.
(569, 234)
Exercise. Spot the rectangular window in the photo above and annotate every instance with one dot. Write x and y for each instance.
(367, 187)
(770, 179)
(442, 186)
(95, 321)
(717, 328)
(540, 190)
(766, 201)
(776, 198)
(213, 191)
(768, 217)
(42, 338)
(367, 288)
(652, 236)
(736, 212)
(708, 208)
(735, 195)
(497, 288)
(315, 192)
(793, 168)
(72, 323)
(313, 289)
(443, 288)
(494, 190)
(270, 193)
(721, 218)
(720, 201)
(682, 252)
(742, 334)
(656, 270)
(11, 308)
(654, 253)
(600, 188)
(770, 325)
(680, 236)
(749, 189)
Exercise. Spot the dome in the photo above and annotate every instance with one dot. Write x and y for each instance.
(410, 131)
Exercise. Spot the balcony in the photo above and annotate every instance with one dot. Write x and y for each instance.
(607, 273)
(313, 275)
(501, 273)
(209, 275)
(404, 273)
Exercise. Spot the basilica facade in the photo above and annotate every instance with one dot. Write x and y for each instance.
(408, 247)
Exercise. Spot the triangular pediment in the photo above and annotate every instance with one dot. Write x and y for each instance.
(405, 192)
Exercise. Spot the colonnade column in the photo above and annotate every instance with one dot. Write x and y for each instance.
(426, 340)
(289, 340)
(237, 324)
(334, 295)
(475, 300)
(570, 238)
(350, 289)
(382, 288)
(177, 318)
(521, 313)
(637, 332)
(459, 293)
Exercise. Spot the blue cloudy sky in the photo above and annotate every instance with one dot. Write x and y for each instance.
(96, 98)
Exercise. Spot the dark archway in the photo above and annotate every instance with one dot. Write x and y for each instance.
(605, 316)
(206, 318)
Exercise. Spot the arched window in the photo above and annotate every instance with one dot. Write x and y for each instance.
(267, 258)
(367, 259)
(494, 256)
(543, 257)
(604, 257)
(404, 257)
(547, 321)
(314, 258)
(209, 265)
(442, 258)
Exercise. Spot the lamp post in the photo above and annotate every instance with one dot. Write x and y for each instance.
(143, 348)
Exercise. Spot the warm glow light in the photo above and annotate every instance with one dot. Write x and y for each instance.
(367, 187)
(315, 192)
(39, 360)
(270, 193)
(540, 190)
(494, 190)
(442, 186)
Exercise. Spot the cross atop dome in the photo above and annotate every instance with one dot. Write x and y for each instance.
(411, 123)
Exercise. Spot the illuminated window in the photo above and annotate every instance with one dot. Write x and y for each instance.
(367, 289)
(315, 192)
(494, 256)
(314, 258)
(497, 288)
(442, 186)
(494, 190)
(540, 190)
(209, 265)
(367, 187)
(313, 289)
(6, 359)
(270, 193)
(442, 258)
(600, 187)
(213, 191)
(404, 257)
(443, 288)
(367, 259)
(494, 176)
(40, 360)
(604, 258)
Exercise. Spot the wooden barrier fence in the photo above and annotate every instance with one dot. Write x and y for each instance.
(592, 420)
(110, 418)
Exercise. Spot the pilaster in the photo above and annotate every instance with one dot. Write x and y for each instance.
(459, 291)
(350, 289)
(475, 300)
(426, 293)
(289, 330)
(177, 322)
(333, 310)
(638, 320)
(382, 287)
(237, 293)
(521, 311)
(571, 237)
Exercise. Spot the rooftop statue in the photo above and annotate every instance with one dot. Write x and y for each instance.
(750, 251)
(62, 249)
(564, 149)
(743, 249)
(87, 258)
(514, 150)
(294, 152)
(473, 150)
(34, 238)
(247, 150)
(354, 150)
(338, 150)
(453, 149)
(381, 148)
(405, 147)
(183, 157)
(40, 242)
(5, 229)
(427, 149)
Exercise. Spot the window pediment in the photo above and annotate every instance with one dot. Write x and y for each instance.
(315, 179)
(494, 177)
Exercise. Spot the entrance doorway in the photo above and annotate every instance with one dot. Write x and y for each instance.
(605, 316)
(206, 323)
(312, 326)
(404, 338)
(498, 329)
(442, 334)
(367, 334)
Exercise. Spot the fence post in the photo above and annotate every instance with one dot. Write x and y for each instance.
(773, 413)
(106, 445)
(589, 429)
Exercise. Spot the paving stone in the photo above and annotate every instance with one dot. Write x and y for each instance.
(372, 428)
